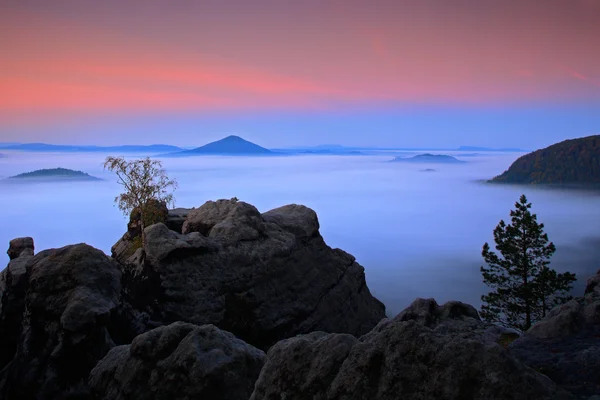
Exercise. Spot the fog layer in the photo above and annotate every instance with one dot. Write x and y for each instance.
(418, 234)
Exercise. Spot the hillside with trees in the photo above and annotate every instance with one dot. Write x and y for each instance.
(55, 174)
(571, 162)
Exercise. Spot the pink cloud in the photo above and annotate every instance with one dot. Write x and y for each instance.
(582, 77)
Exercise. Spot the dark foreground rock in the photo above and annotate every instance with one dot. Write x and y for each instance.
(14, 281)
(69, 297)
(426, 352)
(565, 345)
(179, 361)
(263, 277)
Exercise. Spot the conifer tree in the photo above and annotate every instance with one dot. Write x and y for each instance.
(525, 288)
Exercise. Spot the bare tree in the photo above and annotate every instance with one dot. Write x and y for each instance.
(144, 180)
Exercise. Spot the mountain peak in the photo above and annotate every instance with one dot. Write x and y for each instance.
(230, 145)
(233, 137)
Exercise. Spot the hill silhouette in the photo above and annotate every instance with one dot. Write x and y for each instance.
(231, 145)
(429, 158)
(571, 162)
(53, 174)
(44, 147)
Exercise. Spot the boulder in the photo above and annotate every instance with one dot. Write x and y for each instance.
(426, 352)
(593, 284)
(179, 361)
(565, 346)
(262, 277)
(176, 218)
(296, 219)
(71, 294)
(14, 282)
(19, 246)
(156, 211)
(228, 221)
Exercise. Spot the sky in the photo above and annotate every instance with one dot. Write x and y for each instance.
(511, 73)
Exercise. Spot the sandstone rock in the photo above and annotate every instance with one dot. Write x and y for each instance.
(71, 294)
(176, 218)
(179, 361)
(230, 221)
(297, 219)
(593, 284)
(19, 246)
(578, 315)
(564, 345)
(430, 313)
(14, 282)
(426, 352)
(156, 211)
(262, 278)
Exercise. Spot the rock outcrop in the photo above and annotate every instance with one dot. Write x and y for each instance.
(64, 330)
(176, 219)
(179, 361)
(20, 246)
(565, 346)
(426, 352)
(14, 281)
(156, 211)
(76, 324)
(263, 277)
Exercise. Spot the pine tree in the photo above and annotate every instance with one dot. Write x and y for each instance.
(525, 288)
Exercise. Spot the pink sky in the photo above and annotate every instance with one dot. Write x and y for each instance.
(88, 56)
(70, 64)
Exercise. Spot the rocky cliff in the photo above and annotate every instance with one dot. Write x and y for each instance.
(263, 277)
(229, 303)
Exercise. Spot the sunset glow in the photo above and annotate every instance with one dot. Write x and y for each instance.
(74, 58)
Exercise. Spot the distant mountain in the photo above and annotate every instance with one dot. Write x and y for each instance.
(229, 146)
(2, 155)
(468, 155)
(43, 147)
(571, 162)
(315, 151)
(53, 174)
(474, 148)
(429, 158)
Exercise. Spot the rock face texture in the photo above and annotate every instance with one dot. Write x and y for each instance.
(426, 352)
(179, 361)
(14, 281)
(20, 246)
(263, 277)
(155, 323)
(69, 297)
(156, 211)
(565, 346)
(176, 219)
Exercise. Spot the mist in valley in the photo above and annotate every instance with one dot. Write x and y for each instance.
(418, 234)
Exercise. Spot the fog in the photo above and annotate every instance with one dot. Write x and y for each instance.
(418, 234)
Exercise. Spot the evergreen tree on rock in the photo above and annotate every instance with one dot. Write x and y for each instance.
(525, 287)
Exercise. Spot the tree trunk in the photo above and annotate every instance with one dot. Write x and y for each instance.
(527, 304)
(142, 226)
(143, 234)
(543, 307)
(525, 266)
